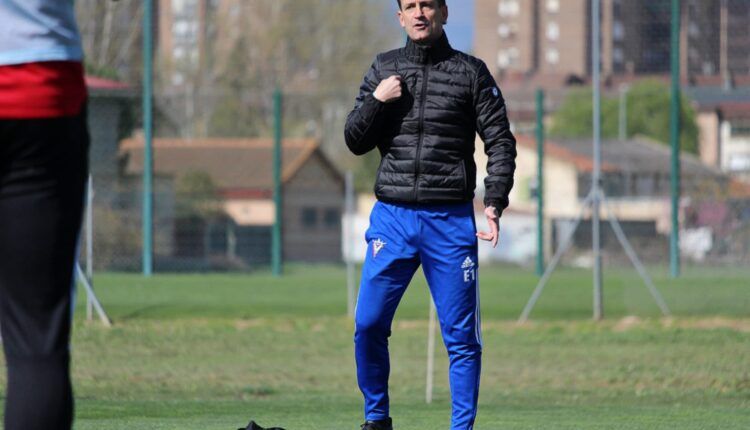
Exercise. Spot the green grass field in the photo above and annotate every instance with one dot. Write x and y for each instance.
(212, 351)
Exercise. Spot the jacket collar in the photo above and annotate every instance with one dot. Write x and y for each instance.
(438, 51)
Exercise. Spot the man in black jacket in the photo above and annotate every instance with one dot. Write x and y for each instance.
(421, 106)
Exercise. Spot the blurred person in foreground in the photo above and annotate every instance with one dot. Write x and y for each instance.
(421, 107)
(43, 168)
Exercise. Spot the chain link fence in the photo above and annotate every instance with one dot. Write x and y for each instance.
(218, 62)
(217, 65)
(548, 45)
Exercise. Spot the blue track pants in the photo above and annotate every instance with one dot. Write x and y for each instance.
(443, 240)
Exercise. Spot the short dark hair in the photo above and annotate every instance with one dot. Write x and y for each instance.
(441, 3)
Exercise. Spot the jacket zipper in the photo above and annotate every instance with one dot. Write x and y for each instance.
(423, 96)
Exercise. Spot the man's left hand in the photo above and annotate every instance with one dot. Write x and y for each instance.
(493, 219)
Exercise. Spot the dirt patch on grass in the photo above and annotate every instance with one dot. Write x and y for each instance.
(623, 324)
(627, 323)
(410, 324)
(241, 325)
(713, 323)
(316, 325)
(737, 324)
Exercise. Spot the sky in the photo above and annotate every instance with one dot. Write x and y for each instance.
(460, 28)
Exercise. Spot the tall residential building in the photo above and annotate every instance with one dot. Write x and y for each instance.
(640, 36)
(560, 23)
(716, 38)
(528, 36)
(506, 34)
(553, 37)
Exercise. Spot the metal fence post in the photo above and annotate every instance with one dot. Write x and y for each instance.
(674, 243)
(148, 138)
(276, 251)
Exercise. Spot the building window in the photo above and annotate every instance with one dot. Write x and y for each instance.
(508, 57)
(617, 55)
(553, 6)
(708, 68)
(178, 53)
(179, 6)
(618, 31)
(553, 31)
(332, 218)
(309, 217)
(178, 79)
(181, 28)
(552, 56)
(645, 185)
(508, 8)
(693, 30)
(507, 30)
(503, 30)
(503, 60)
(739, 162)
(615, 185)
(741, 129)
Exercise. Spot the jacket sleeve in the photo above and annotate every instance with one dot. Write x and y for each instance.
(499, 144)
(363, 123)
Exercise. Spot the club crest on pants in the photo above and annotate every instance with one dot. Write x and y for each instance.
(468, 267)
(377, 245)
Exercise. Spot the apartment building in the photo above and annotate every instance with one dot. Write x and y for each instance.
(505, 35)
(716, 38)
(561, 22)
(525, 37)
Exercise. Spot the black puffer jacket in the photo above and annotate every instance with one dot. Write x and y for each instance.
(426, 138)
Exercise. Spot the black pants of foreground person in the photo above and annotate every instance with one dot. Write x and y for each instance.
(43, 171)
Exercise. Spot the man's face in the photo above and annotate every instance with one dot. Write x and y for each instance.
(423, 20)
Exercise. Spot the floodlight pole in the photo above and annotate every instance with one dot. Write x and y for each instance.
(596, 176)
(540, 182)
(593, 201)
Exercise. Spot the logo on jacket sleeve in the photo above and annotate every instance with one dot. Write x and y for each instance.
(377, 245)
(469, 268)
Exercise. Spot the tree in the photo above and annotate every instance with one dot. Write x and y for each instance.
(648, 114)
(111, 33)
(196, 195)
(315, 50)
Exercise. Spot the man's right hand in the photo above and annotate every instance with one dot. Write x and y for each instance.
(389, 89)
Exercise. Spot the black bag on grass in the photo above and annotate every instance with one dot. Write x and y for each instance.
(254, 426)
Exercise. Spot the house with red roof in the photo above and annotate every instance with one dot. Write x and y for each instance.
(241, 171)
(636, 179)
